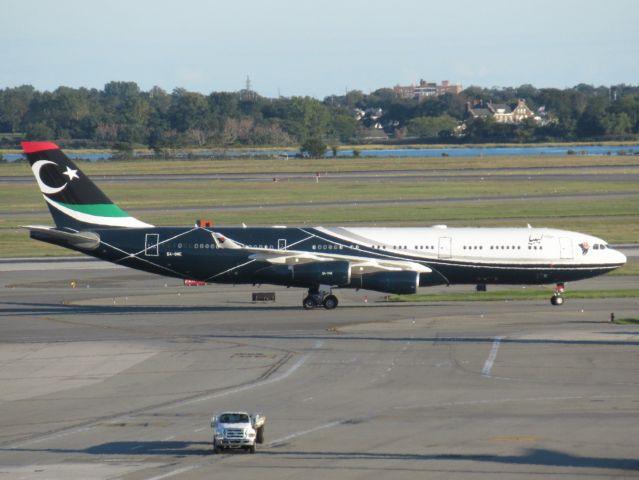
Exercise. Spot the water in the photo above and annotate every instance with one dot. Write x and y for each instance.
(498, 151)
(399, 152)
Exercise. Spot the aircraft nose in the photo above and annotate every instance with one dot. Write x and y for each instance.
(619, 257)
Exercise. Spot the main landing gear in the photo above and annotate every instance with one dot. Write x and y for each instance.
(556, 298)
(320, 298)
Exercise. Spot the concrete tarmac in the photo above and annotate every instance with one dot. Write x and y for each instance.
(119, 376)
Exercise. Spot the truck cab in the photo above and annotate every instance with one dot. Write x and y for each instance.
(237, 430)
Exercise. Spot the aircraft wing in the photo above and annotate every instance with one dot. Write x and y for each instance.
(359, 265)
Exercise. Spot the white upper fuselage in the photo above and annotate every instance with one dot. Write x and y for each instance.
(520, 246)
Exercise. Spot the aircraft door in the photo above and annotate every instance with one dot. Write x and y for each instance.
(281, 244)
(151, 245)
(443, 250)
(565, 248)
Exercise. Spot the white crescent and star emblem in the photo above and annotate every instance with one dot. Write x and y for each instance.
(71, 173)
(47, 189)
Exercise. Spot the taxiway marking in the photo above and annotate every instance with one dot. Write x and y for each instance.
(488, 365)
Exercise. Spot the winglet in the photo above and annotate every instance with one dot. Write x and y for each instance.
(33, 147)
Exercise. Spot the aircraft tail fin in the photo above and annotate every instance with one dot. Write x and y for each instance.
(74, 200)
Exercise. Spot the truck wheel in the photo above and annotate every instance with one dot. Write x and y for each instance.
(259, 438)
(216, 449)
(252, 449)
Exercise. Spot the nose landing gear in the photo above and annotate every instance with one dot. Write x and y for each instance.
(556, 298)
(318, 297)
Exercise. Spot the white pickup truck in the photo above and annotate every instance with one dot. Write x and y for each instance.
(237, 430)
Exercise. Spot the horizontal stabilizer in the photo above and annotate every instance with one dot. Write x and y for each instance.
(82, 240)
(223, 242)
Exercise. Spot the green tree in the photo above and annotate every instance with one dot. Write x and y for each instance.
(14, 105)
(306, 118)
(590, 124)
(188, 110)
(431, 127)
(343, 127)
(39, 131)
(314, 147)
(617, 123)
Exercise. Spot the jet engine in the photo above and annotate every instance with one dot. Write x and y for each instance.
(401, 282)
(334, 273)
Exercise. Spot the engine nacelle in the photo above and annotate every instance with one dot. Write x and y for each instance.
(403, 282)
(323, 273)
(336, 273)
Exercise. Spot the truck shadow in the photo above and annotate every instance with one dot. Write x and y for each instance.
(163, 448)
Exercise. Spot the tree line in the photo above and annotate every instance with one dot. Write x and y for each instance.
(121, 114)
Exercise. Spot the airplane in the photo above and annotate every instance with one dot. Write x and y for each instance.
(320, 259)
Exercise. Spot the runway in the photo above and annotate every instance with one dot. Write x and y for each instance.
(119, 376)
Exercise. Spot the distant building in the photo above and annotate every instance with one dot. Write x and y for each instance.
(427, 89)
(370, 117)
(373, 134)
(501, 112)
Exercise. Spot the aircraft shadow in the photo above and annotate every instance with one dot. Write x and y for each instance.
(19, 309)
(531, 457)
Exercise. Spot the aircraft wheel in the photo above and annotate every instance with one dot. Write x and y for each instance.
(556, 300)
(330, 302)
(308, 303)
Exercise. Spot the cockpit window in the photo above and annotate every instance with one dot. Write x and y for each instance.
(596, 246)
(602, 247)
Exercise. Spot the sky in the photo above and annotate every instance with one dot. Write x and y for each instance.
(318, 48)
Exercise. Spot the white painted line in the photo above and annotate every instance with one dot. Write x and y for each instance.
(281, 440)
(303, 432)
(200, 429)
(251, 386)
(173, 473)
(168, 438)
(491, 357)
(49, 437)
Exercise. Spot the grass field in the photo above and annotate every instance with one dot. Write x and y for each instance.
(531, 293)
(21, 198)
(330, 165)
(626, 321)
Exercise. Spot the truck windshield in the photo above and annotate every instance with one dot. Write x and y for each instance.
(234, 418)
